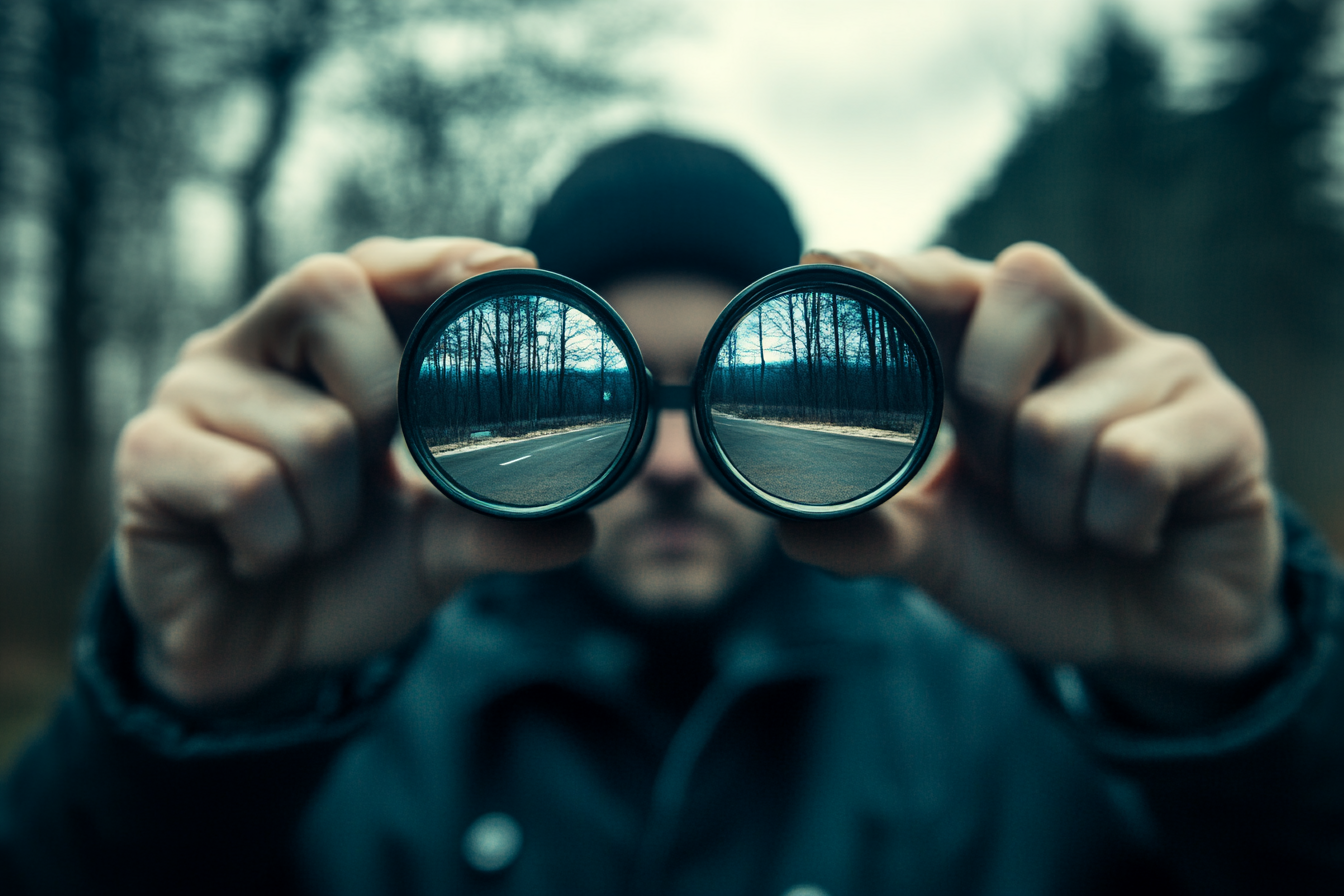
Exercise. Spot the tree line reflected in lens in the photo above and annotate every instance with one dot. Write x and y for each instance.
(817, 397)
(523, 399)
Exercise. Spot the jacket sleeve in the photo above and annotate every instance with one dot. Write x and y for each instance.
(127, 792)
(1254, 804)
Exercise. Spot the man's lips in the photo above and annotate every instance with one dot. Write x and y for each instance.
(675, 536)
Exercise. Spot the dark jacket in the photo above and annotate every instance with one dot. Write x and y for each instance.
(843, 736)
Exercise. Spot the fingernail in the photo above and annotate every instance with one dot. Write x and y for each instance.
(486, 256)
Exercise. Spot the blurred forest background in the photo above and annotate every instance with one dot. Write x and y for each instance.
(141, 199)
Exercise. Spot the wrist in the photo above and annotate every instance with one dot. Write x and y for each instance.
(1171, 702)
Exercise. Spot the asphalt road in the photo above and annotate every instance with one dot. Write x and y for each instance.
(805, 465)
(536, 471)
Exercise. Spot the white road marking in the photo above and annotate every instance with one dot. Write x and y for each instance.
(595, 438)
(515, 460)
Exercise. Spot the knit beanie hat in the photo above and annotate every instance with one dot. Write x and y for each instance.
(657, 203)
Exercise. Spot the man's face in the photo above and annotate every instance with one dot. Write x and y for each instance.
(672, 540)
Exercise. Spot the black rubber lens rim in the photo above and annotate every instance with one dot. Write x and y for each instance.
(525, 281)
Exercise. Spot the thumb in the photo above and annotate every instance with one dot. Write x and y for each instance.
(408, 275)
(458, 544)
(907, 537)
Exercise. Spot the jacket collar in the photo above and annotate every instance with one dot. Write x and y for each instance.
(786, 617)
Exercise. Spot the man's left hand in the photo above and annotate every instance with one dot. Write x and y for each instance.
(1107, 502)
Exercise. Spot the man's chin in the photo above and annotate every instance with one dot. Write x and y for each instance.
(675, 563)
(668, 582)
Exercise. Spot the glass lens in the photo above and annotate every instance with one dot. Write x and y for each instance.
(817, 397)
(522, 400)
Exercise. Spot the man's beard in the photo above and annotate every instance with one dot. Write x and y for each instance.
(674, 555)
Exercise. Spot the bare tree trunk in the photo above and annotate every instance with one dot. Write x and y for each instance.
(301, 39)
(760, 344)
(839, 358)
(793, 348)
(564, 350)
(870, 324)
(78, 109)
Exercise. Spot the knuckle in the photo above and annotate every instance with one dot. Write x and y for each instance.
(976, 393)
(1135, 460)
(1054, 282)
(327, 429)
(1184, 354)
(373, 244)
(246, 483)
(324, 281)
(1045, 425)
(179, 381)
(137, 445)
(944, 255)
(1036, 261)
(138, 434)
(198, 344)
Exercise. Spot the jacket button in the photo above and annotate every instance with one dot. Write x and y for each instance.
(805, 890)
(492, 842)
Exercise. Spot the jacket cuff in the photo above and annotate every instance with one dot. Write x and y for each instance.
(302, 708)
(1312, 592)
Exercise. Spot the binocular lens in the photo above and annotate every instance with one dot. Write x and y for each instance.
(815, 399)
(818, 393)
(518, 393)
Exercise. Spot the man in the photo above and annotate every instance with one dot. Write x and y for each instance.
(297, 674)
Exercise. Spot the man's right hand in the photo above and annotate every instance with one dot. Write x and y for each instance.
(265, 523)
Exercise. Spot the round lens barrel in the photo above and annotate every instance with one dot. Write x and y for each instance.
(522, 394)
(818, 394)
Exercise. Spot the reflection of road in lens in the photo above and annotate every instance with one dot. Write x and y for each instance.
(529, 472)
(807, 466)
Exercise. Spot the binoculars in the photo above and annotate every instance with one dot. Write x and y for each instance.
(817, 394)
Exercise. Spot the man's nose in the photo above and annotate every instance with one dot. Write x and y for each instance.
(673, 459)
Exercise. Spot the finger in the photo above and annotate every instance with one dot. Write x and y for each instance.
(910, 536)
(312, 436)
(1035, 314)
(172, 471)
(458, 544)
(408, 275)
(946, 536)
(321, 318)
(1057, 427)
(1203, 449)
(942, 285)
(943, 280)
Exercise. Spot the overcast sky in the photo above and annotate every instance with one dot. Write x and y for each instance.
(879, 117)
